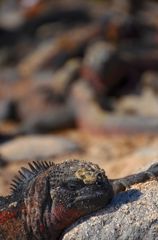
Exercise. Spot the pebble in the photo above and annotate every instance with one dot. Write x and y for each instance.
(37, 147)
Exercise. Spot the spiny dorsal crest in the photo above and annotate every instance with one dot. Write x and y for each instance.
(25, 175)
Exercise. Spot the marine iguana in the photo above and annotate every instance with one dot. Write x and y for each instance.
(48, 198)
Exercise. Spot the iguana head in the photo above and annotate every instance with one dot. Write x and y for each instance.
(81, 187)
(57, 196)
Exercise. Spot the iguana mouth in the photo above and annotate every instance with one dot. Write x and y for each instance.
(96, 195)
(94, 201)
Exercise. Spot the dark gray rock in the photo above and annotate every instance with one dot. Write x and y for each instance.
(8, 110)
(60, 118)
(132, 215)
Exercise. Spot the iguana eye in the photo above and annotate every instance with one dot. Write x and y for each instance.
(73, 185)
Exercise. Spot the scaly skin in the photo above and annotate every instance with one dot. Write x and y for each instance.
(49, 198)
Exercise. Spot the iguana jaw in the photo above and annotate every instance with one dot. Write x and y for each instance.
(57, 220)
(85, 201)
(62, 217)
(91, 202)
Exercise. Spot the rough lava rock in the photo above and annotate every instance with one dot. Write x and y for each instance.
(132, 215)
(37, 147)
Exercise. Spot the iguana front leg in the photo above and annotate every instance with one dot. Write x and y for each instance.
(121, 184)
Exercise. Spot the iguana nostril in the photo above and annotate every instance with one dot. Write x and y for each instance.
(100, 181)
